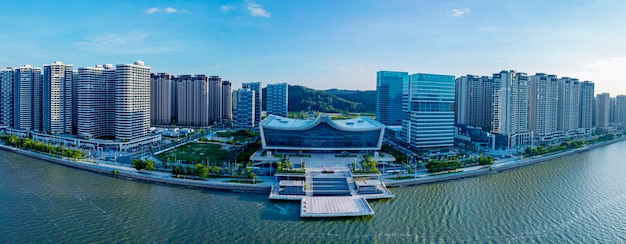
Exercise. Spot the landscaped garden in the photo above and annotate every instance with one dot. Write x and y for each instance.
(196, 153)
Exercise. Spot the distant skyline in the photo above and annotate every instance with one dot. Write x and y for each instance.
(324, 44)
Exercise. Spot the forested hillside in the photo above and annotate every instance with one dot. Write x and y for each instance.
(330, 101)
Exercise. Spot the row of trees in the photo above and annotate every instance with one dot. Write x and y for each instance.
(285, 166)
(27, 143)
(139, 164)
(197, 170)
(400, 157)
(435, 165)
(368, 166)
(539, 150)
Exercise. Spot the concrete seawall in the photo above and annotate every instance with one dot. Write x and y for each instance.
(145, 177)
(496, 167)
(266, 188)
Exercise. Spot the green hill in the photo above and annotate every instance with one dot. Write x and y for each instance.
(329, 101)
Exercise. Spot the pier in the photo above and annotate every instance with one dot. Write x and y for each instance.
(330, 193)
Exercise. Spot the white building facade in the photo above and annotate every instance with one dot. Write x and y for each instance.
(132, 101)
(58, 81)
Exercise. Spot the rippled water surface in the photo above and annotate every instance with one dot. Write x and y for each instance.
(579, 199)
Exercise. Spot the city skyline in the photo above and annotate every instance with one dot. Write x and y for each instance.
(325, 44)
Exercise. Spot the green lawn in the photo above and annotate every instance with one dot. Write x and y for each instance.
(196, 152)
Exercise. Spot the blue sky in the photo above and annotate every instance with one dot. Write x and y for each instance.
(325, 44)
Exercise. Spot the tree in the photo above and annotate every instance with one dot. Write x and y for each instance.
(137, 164)
(287, 163)
(149, 165)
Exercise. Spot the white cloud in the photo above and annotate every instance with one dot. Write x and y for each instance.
(152, 10)
(460, 12)
(171, 10)
(257, 10)
(606, 73)
(125, 43)
(226, 8)
(168, 10)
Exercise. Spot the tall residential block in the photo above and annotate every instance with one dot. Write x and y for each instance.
(6, 97)
(27, 94)
(244, 104)
(258, 100)
(277, 99)
(161, 99)
(586, 105)
(58, 97)
(474, 101)
(75, 102)
(193, 100)
(96, 102)
(132, 101)
(568, 111)
(510, 114)
(227, 101)
(620, 109)
(543, 106)
(428, 103)
(612, 111)
(215, 98)
(602, 110)
(389, 97)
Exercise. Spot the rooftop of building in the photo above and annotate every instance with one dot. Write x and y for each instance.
(356, 124)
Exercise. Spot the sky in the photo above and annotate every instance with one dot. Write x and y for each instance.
(324, 44)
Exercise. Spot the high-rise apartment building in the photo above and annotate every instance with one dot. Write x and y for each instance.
(258, 100)
(543, 106)
(429, 121)
(215, 98)
(193, 100)
(586, 105)
(389, 97)
(96, 102)
(227, 101)
(58, 97)
(6, 97)
(190, 100)
(174, 100)
(244, 104)
(620, 109)
(277, 99)
(27, 98)
(510, 115)
(603, 110)
(568, 109)
(161, 99)
(474, 101)
(75, 102)
(132, 101)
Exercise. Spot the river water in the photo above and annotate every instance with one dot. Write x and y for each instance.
(581, 199)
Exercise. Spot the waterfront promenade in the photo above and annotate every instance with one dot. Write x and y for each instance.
(264, 187)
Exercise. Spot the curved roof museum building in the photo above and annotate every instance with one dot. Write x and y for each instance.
(321, 134)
